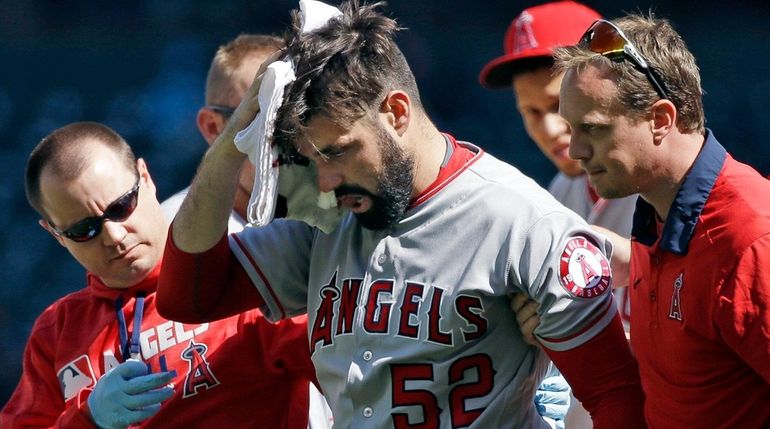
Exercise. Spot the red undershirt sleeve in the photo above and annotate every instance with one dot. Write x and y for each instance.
(201, 287)
(604, 376)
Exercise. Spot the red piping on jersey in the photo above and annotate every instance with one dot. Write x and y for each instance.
(446, 175)
(261, 275)
(607, 307)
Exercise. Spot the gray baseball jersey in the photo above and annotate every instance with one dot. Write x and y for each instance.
(319, 414)
(615, 215)
(412, 324)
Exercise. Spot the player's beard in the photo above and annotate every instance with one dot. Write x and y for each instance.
(394, 190)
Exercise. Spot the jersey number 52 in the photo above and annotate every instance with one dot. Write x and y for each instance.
(461, 392)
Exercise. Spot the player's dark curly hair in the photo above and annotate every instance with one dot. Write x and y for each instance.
(343, 70)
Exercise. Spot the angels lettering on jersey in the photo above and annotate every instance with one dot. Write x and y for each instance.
(378, 306)
(79, 374)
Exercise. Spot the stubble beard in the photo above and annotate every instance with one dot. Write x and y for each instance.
(394, 191)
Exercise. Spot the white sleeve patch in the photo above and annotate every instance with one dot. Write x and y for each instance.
(583, 269)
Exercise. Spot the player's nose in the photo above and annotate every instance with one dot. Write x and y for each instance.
(329, 178)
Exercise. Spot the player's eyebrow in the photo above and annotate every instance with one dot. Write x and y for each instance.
(334, 148)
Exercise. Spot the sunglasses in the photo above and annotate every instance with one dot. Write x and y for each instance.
(90, 227)
(225, 111)
(606, 39)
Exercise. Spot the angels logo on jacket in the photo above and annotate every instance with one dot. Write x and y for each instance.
(199, 374)
(676, 303)
(583, 269)
(75, 376)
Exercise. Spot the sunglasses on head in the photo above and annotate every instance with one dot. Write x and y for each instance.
(90, 227)
(225, 111)
(606, 39)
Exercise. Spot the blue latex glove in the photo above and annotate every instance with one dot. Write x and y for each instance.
(126, 394)
(552, 399)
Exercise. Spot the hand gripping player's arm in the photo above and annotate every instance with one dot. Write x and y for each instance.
(126, 395)
(526, 316)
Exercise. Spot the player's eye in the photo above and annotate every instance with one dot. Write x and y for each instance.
(331, 153)
(593, 129)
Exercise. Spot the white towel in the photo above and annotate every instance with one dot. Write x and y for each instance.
(256, 141)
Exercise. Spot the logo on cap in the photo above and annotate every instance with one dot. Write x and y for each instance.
(525, 37)
(583, 269)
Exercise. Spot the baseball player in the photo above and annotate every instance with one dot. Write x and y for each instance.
(700, 293)
(527, 68)
(101, 356)
(408, 315)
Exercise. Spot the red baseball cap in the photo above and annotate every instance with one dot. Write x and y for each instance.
(535, 33)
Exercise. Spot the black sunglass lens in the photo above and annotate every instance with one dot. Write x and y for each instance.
(122, 208)
(84, 230)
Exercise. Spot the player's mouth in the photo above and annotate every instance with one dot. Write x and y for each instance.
(355, 203)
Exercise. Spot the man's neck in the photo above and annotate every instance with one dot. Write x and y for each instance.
(680, 154)
(429, 152)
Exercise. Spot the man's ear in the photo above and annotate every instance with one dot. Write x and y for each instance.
(397, 108)
(663, 119)
(210, 124)
(144, 174)
(46, 226)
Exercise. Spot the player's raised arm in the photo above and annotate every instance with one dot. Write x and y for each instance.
(202, 219)
(201, 280)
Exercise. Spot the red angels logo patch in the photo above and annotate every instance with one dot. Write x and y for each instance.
(583, 269)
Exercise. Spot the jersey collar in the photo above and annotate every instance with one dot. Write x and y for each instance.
(458, 157)
(687, 205)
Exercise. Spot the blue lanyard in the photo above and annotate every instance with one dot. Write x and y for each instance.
(130, 349)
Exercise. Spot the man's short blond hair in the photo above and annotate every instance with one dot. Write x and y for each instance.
(220, 87)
